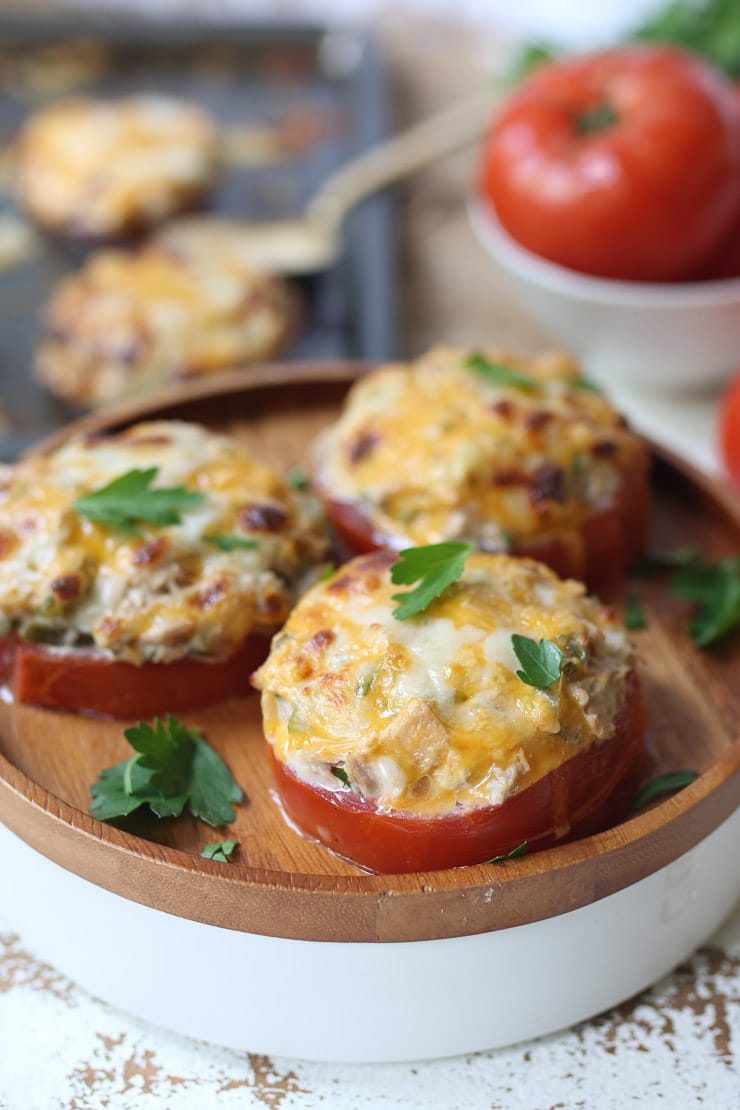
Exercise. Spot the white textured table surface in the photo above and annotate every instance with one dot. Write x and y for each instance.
(674, 1046)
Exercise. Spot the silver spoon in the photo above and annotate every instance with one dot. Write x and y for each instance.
(312, 241)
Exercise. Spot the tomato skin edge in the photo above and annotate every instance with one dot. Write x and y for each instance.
(581, 796)
(83, 682)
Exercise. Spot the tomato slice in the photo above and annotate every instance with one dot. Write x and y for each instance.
(88, 682)
(585, 793)
(599, 551)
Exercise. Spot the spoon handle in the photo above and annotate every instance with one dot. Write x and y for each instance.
(433, 138)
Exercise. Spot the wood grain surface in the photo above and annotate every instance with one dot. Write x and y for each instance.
(283, 885)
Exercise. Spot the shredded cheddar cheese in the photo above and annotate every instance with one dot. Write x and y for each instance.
(432, 450)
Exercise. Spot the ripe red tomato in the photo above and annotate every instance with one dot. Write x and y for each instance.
(85, 682)
(583, 794)
(624, 164)
(729, 430)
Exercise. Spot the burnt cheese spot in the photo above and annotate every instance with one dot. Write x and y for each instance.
(504, 409)
(210, 595)
(537, 420)
(360, 447)
(150, 552)
(322, 638)
(547, 484)
(8, 541)
(510, 476)
(605, 449)
(263, 518)
(67, 587)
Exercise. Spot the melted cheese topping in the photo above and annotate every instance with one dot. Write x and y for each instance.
(167, 592)
(126, 322)
(100, 168)
(433, 450)
(428, 713)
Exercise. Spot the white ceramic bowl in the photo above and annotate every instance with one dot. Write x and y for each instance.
(683, 336)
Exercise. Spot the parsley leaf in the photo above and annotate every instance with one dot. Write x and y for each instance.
(174, 767)
(327, 572)
(634, 614)
(498, 374)
(129, 499)
(585, 385)
(222, 851)
(297, 478)
(663, 784)
(716, 590)
(515, 853)
(231, 543)
(540, 661)
(434, 567)
(341, 774)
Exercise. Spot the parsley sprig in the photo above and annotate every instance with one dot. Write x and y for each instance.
(662, 784)
(540, 662)
(634, 612)
(129, 500)
(231, 543)
(715, 588)
(173, 767)
(222, 851)
(434, 567)
(515, 853)
(498, 374)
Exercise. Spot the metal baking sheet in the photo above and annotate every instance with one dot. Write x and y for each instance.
(322, 96)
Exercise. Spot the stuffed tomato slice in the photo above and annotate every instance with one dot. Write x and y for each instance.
(510, 454)
(143, 572)
(507, 711)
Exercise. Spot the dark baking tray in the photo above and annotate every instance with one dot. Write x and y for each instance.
(242, 74)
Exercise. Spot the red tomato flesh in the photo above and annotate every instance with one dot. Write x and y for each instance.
(87, 682)
(623, 164)
(729, 431)
(573, 799)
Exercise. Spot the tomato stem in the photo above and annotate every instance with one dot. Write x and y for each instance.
(595, 119)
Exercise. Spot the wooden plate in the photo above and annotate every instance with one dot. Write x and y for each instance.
(284, 886)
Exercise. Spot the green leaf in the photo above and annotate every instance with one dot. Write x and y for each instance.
(297, 478)
(173, 767)
(434, 567)
(663, 784)
(498, 374)
(231, 543)
(327, 572)
(515, 853)
(715, 588)
(221, 851)
(585, 385)
(341, 774)
(540, 661)
(165, 749)
(129, 499)
(634, 614)
(213, 789)
(669, 560)
(711, 28)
